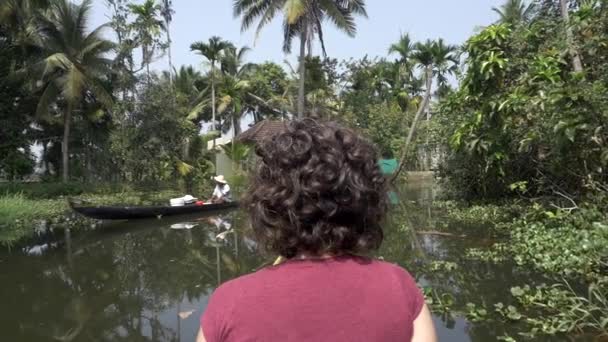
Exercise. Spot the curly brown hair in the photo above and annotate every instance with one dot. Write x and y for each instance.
(317, 190)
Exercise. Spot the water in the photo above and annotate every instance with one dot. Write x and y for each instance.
(150, 280)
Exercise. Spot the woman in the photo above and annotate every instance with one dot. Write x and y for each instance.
(317, 199)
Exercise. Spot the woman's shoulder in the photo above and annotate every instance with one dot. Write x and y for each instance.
(377, 264)
(388, 273)
(234, 289)
(393, 270)
(403, 285)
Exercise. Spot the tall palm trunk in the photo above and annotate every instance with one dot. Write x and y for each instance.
(67, 117)
(301, 92)
(427, 153)
(147, 58)
(577, 64)
(186, 149)
(169, 53)
(217, 260)
(133, 84)
(45, 159)
(421, 110)
(148, 73)
(236, 125)
(213, 100)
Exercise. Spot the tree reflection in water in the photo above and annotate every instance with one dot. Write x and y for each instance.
(127, 286)
(150, 280)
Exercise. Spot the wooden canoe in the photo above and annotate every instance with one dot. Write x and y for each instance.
(140, 212)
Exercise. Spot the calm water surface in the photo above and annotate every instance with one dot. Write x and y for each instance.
(150, 280)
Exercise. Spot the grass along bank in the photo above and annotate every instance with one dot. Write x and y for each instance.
(19, 214)
(24, 206)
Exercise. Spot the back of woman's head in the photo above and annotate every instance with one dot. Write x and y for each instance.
(317, 190)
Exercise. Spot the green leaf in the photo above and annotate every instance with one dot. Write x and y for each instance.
(513, 314)
(570, 133)
(517, 291)
(294, 10)
(183, 169)
(560, 126)
(196, 111)
(604, 157)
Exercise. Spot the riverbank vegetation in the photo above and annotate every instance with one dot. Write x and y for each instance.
(523, 121)
(528, 124)
(25, 208)
(18, 215)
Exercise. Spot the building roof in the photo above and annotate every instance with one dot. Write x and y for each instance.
(262, 130)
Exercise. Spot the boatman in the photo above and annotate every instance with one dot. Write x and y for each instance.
(221, 193)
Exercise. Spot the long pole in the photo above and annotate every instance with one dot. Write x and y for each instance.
(410, 136)
(217, 258)
(213, 127)
(301, 91)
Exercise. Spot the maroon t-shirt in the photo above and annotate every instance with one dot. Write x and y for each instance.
(339, 299)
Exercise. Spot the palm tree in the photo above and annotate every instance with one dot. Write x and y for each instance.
(185, 79)
(213, 52)
(18, 17)
(515, 12)
(75, 63)
(404, 49)
(278, 104)
(186, 83)
(445, 61)
(13, 13)
(233, 100)
(403, 77)
(437, 60)
(237, 153)
(233, 61)
(189, 87)
(235, 87)
(166, 11)
(148, 27)
(303, 19)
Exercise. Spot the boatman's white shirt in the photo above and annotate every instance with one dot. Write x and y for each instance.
(221, 192)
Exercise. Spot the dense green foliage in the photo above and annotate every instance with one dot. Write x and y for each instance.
(62, 91)
(557, 242)
(15, 133)
(522, 118)
(526, 122)
(529, 120)
(564, 243)
(569, 248)
(96, 115)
